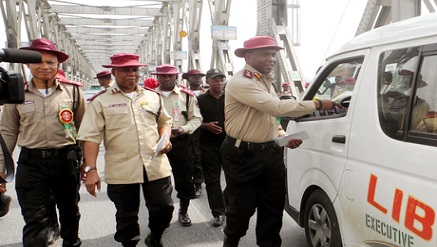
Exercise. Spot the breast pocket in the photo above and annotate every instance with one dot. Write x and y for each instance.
(149, 114)
(28, 114)
(117, 117)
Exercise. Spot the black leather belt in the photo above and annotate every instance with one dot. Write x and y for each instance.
(48, 153)
(247, 145)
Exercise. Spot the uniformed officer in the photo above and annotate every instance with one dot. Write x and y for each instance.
(131, 121)
(45, 126)
(105, 79)
(285, 90)
(195, 83)
(252, 163)
(182, 105)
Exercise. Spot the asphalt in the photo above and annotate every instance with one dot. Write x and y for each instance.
(97, 225)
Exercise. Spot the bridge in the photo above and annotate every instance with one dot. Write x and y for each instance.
(168, 31)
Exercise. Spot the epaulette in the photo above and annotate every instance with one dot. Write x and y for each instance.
(97, 94)
(70, 82)
(26, 86)
(248, 74)
(187, 91)
(153, 90)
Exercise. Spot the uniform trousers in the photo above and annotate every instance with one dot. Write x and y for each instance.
(181, 159)
(198, 176)
(40, 173)
(211, 164)
(126, 198)
(255, 179)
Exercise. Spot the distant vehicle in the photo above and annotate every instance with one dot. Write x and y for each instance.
(96, 87)
(367, 174)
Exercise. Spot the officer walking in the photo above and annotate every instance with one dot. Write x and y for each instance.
(194, 78)
(130, 120)
(181, 104)
(45, 126)
(252, 163)
(212, 134)
(105, 79)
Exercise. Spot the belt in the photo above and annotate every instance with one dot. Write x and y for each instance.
(247, 145)
(48, 153)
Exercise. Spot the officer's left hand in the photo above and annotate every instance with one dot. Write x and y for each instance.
(92, 181)
(177, 131)
(167, 148)
(294, 143)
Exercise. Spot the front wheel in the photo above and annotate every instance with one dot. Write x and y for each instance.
(321, 225)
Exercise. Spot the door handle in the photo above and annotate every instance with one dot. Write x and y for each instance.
(339, 139)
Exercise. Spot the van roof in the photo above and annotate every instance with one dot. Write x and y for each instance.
(413, 28)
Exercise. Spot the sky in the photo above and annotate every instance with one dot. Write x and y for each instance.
(324, 27)
(320, 22)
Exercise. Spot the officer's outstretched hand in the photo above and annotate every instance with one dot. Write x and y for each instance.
(294, 143)
(327, 105)
(92, 181)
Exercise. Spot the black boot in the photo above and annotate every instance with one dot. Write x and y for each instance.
(52, 234)
(228, 242)
(153, 241)
(183, 218)
(5, 202)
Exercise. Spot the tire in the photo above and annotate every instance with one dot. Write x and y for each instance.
(321, 225)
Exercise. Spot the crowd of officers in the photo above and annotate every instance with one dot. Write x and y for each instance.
(150, 134)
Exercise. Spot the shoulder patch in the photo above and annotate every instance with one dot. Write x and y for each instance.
(187, 91)
(70, 82)
(153, 90)
(97, 94)
(248, 74)
(257, 75)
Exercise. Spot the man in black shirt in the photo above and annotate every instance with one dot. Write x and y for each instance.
(212, 134)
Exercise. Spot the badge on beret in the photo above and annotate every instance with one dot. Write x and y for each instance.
(66, 117)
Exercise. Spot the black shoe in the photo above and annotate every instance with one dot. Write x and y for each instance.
(184, 219)
(228, 242)
(152, 242)
(52, 234)
(5, 202)
(198, 190)
(218, 220)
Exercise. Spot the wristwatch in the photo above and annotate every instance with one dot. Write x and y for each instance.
(89, 168)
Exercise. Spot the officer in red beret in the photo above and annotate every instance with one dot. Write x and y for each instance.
(195, 81)
(45, 128)
(181, 104)
(252, 163)
(105, 79)
(135, 128)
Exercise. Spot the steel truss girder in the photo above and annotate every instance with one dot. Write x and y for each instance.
(221, 57)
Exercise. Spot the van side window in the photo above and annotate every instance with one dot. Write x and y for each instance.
(425, 101)
(405, 99)
(339, 81)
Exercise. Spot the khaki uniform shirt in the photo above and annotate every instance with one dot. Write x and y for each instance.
(176, 106)
(35, 123)
(252, 107)
(129, 130)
